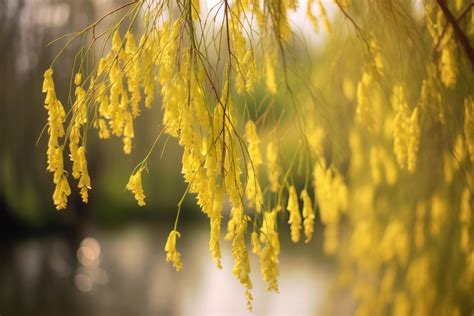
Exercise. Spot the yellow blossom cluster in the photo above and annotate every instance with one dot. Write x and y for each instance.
(172, 255)
(56, 118)
(406, 130)
(329, 157)
(331, 195)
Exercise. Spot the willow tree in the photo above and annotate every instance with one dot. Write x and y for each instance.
(373, 133)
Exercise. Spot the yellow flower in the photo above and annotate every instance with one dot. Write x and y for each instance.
(308, 215)
(270, 251)
(252, 138)
(448, 64)
(172, 255)
(256, 249)
(295, 216)
(253, 191)
(406, 132)
(274, 171)
(135, 186)
(48, 83)
(215, 222)
(241, 269)
(128, 133)
(270, 73)
(116, 42)
(413, 140)
(61, 192)
(103, 129)
(84, 181)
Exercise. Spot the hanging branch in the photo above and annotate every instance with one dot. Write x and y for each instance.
(460, 36)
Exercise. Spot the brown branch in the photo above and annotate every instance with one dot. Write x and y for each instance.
(440, 38)
(459, 34)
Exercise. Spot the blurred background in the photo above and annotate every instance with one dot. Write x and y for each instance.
(107, 257)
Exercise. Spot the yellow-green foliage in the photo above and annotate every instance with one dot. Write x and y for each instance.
(376, 141)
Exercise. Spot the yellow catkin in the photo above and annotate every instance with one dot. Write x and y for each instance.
(104, 132)
(232, 171)
(84, 180)
(73, 149)
(270, 251)
(173, 91)
(245, 63)
(56, 118)
(400, 107)
(253, 191)
(80, 107)
(133, 73)
(61, 192)
(215, 222)
(377, 57)
(172, 255)
(118, 96)
(332, 197)
(280, 19)
(77, 154)
(469, 126)
(103, 100)
(448, 65)
(270, 72)
(413, 140)
(273, 169)
(241, 269)
(254, 239)
(406, 131)
(253, 143)
(135, 186)
(430, 101)
(308, 215)
(116, 42)
(295, 216)
(148, 62)
(198, 98)
(128, 133)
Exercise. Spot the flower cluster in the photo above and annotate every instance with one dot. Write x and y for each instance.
(390, 179)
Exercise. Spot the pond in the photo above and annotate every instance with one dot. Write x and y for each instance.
(124, 272)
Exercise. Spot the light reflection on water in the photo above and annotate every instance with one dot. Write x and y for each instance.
(124, 272)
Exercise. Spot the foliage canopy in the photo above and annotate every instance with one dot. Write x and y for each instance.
(372, 133)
